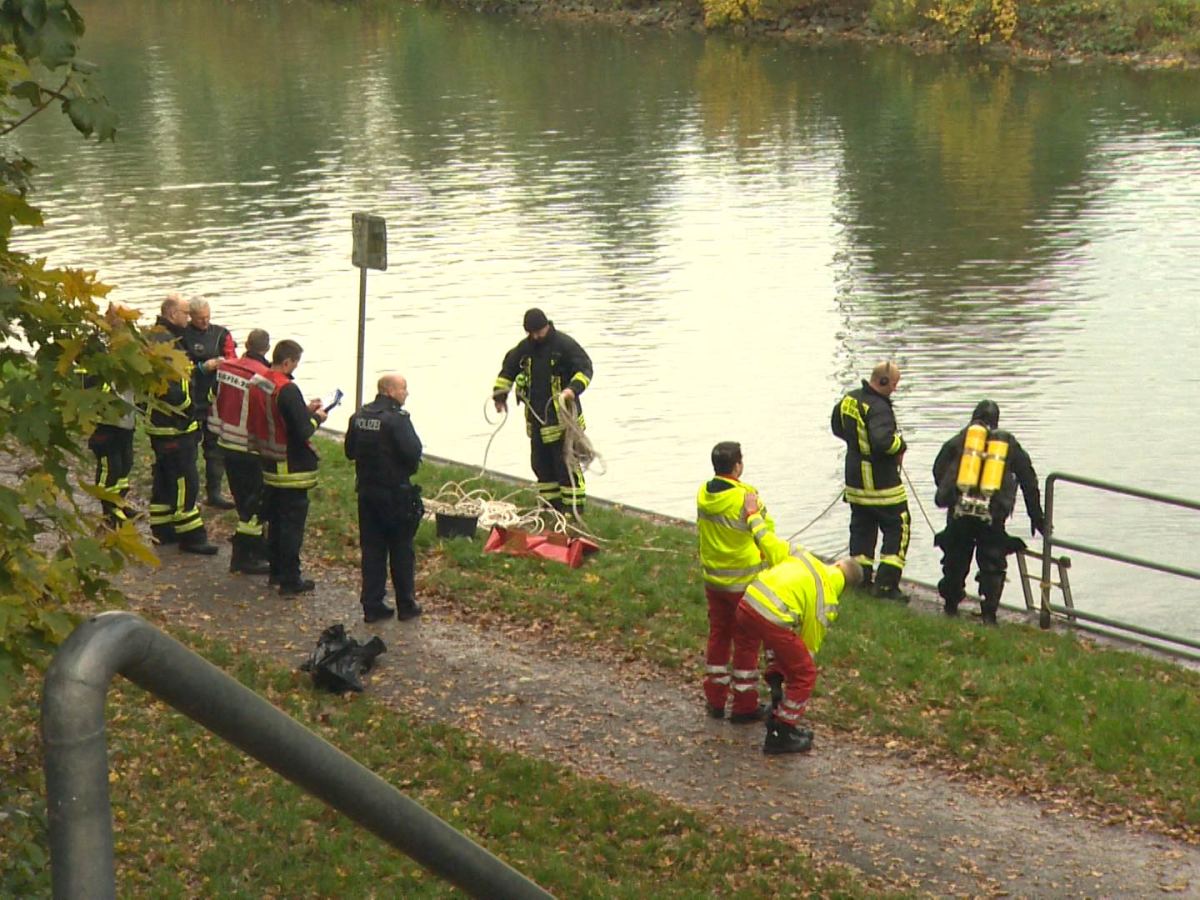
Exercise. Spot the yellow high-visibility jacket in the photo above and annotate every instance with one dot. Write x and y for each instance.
(799, 593)
(734, 548)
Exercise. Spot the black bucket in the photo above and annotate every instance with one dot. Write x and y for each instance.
(451, 526)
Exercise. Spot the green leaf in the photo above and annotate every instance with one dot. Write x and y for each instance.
(28, 90)
(34, 12)
(91, 115)
(58, 36)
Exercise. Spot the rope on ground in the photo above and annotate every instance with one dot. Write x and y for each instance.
(918, 499)
(821, 515)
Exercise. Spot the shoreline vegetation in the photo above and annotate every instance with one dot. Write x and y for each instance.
(1144, 34)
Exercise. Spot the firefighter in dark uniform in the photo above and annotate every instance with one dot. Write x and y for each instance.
(112, 439)
(174, 433)
(289, 468)
(386, 452)
(550, 370)
(978, 500)
(239, 400)
(207, 344)
(864, 419)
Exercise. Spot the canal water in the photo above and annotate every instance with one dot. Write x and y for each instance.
(736, 232)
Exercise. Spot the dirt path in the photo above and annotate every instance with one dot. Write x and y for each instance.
(902, 825)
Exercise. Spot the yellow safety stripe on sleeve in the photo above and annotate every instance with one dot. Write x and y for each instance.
(102, 474)
(581, 378)
(895, 447)
(502, 384)
(726, 521)
(876, 496)
(850, 408)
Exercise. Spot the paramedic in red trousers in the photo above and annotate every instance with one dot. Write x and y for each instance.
(863, 418)
(787, 609)
(548, 369)
(386, 452)
(207, 344)
(968, 535)
(737, 542)
(242, 385)
(289, 464)
(174, 434)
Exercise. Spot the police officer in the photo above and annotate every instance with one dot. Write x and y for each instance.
(207, 344)
(386, 452)
(977, 529)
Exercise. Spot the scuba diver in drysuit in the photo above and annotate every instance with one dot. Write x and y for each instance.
(977, 472)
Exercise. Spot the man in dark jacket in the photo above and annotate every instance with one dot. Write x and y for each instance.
(386, 452)
(289, 468)
(207, 344)
(977, 528)
(550, 370)
(174, 433)
(864, 419)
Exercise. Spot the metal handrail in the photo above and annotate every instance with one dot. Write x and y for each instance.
(76, 760)
(1049, 542)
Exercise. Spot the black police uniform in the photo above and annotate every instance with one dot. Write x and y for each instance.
(985, 539)
(386, 452)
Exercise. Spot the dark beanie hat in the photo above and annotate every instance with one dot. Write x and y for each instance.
(535, 320)
(987, 412)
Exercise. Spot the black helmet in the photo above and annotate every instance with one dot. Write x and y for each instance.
(986, 412)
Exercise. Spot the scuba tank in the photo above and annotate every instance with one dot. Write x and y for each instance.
(980, 470)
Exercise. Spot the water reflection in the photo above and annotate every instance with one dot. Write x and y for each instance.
(735, 231)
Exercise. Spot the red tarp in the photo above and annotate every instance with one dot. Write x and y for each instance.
(553, 546)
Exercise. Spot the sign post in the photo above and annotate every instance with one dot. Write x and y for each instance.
(369, 252)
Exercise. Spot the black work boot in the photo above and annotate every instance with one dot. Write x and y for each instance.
(783, 738)
(762, 712)
(405, 611)
(887, 585)
(243, 558)
(377, 613)
(774, 681)
(987, 611)
(196, 541)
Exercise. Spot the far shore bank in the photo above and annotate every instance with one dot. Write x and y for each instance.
(1056, 41)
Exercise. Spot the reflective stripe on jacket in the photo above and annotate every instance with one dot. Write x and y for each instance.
(865, 421)
(242, 384)
(171, 412)
(799, 593)
(733, 548)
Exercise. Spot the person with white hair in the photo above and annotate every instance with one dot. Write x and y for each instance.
(207, 344)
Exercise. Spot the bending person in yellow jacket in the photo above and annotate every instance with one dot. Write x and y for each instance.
(787, 609)
(737, 542)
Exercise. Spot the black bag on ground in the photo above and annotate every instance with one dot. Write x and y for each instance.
(338, 662)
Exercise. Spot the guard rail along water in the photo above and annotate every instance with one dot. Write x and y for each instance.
(76, 761)
(1175, 644)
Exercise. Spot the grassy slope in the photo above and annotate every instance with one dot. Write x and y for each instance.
(194, 817)
(1042, 709)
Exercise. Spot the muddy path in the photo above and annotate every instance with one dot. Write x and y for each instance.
(901, 824)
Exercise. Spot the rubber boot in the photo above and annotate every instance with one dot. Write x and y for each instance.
(868, 579)
(988, 609)
(783, 738)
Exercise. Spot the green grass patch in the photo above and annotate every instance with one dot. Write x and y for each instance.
(195, 817)
(1043, 709)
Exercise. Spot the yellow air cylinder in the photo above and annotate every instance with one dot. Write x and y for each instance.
(972, 457)
(993, 465)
